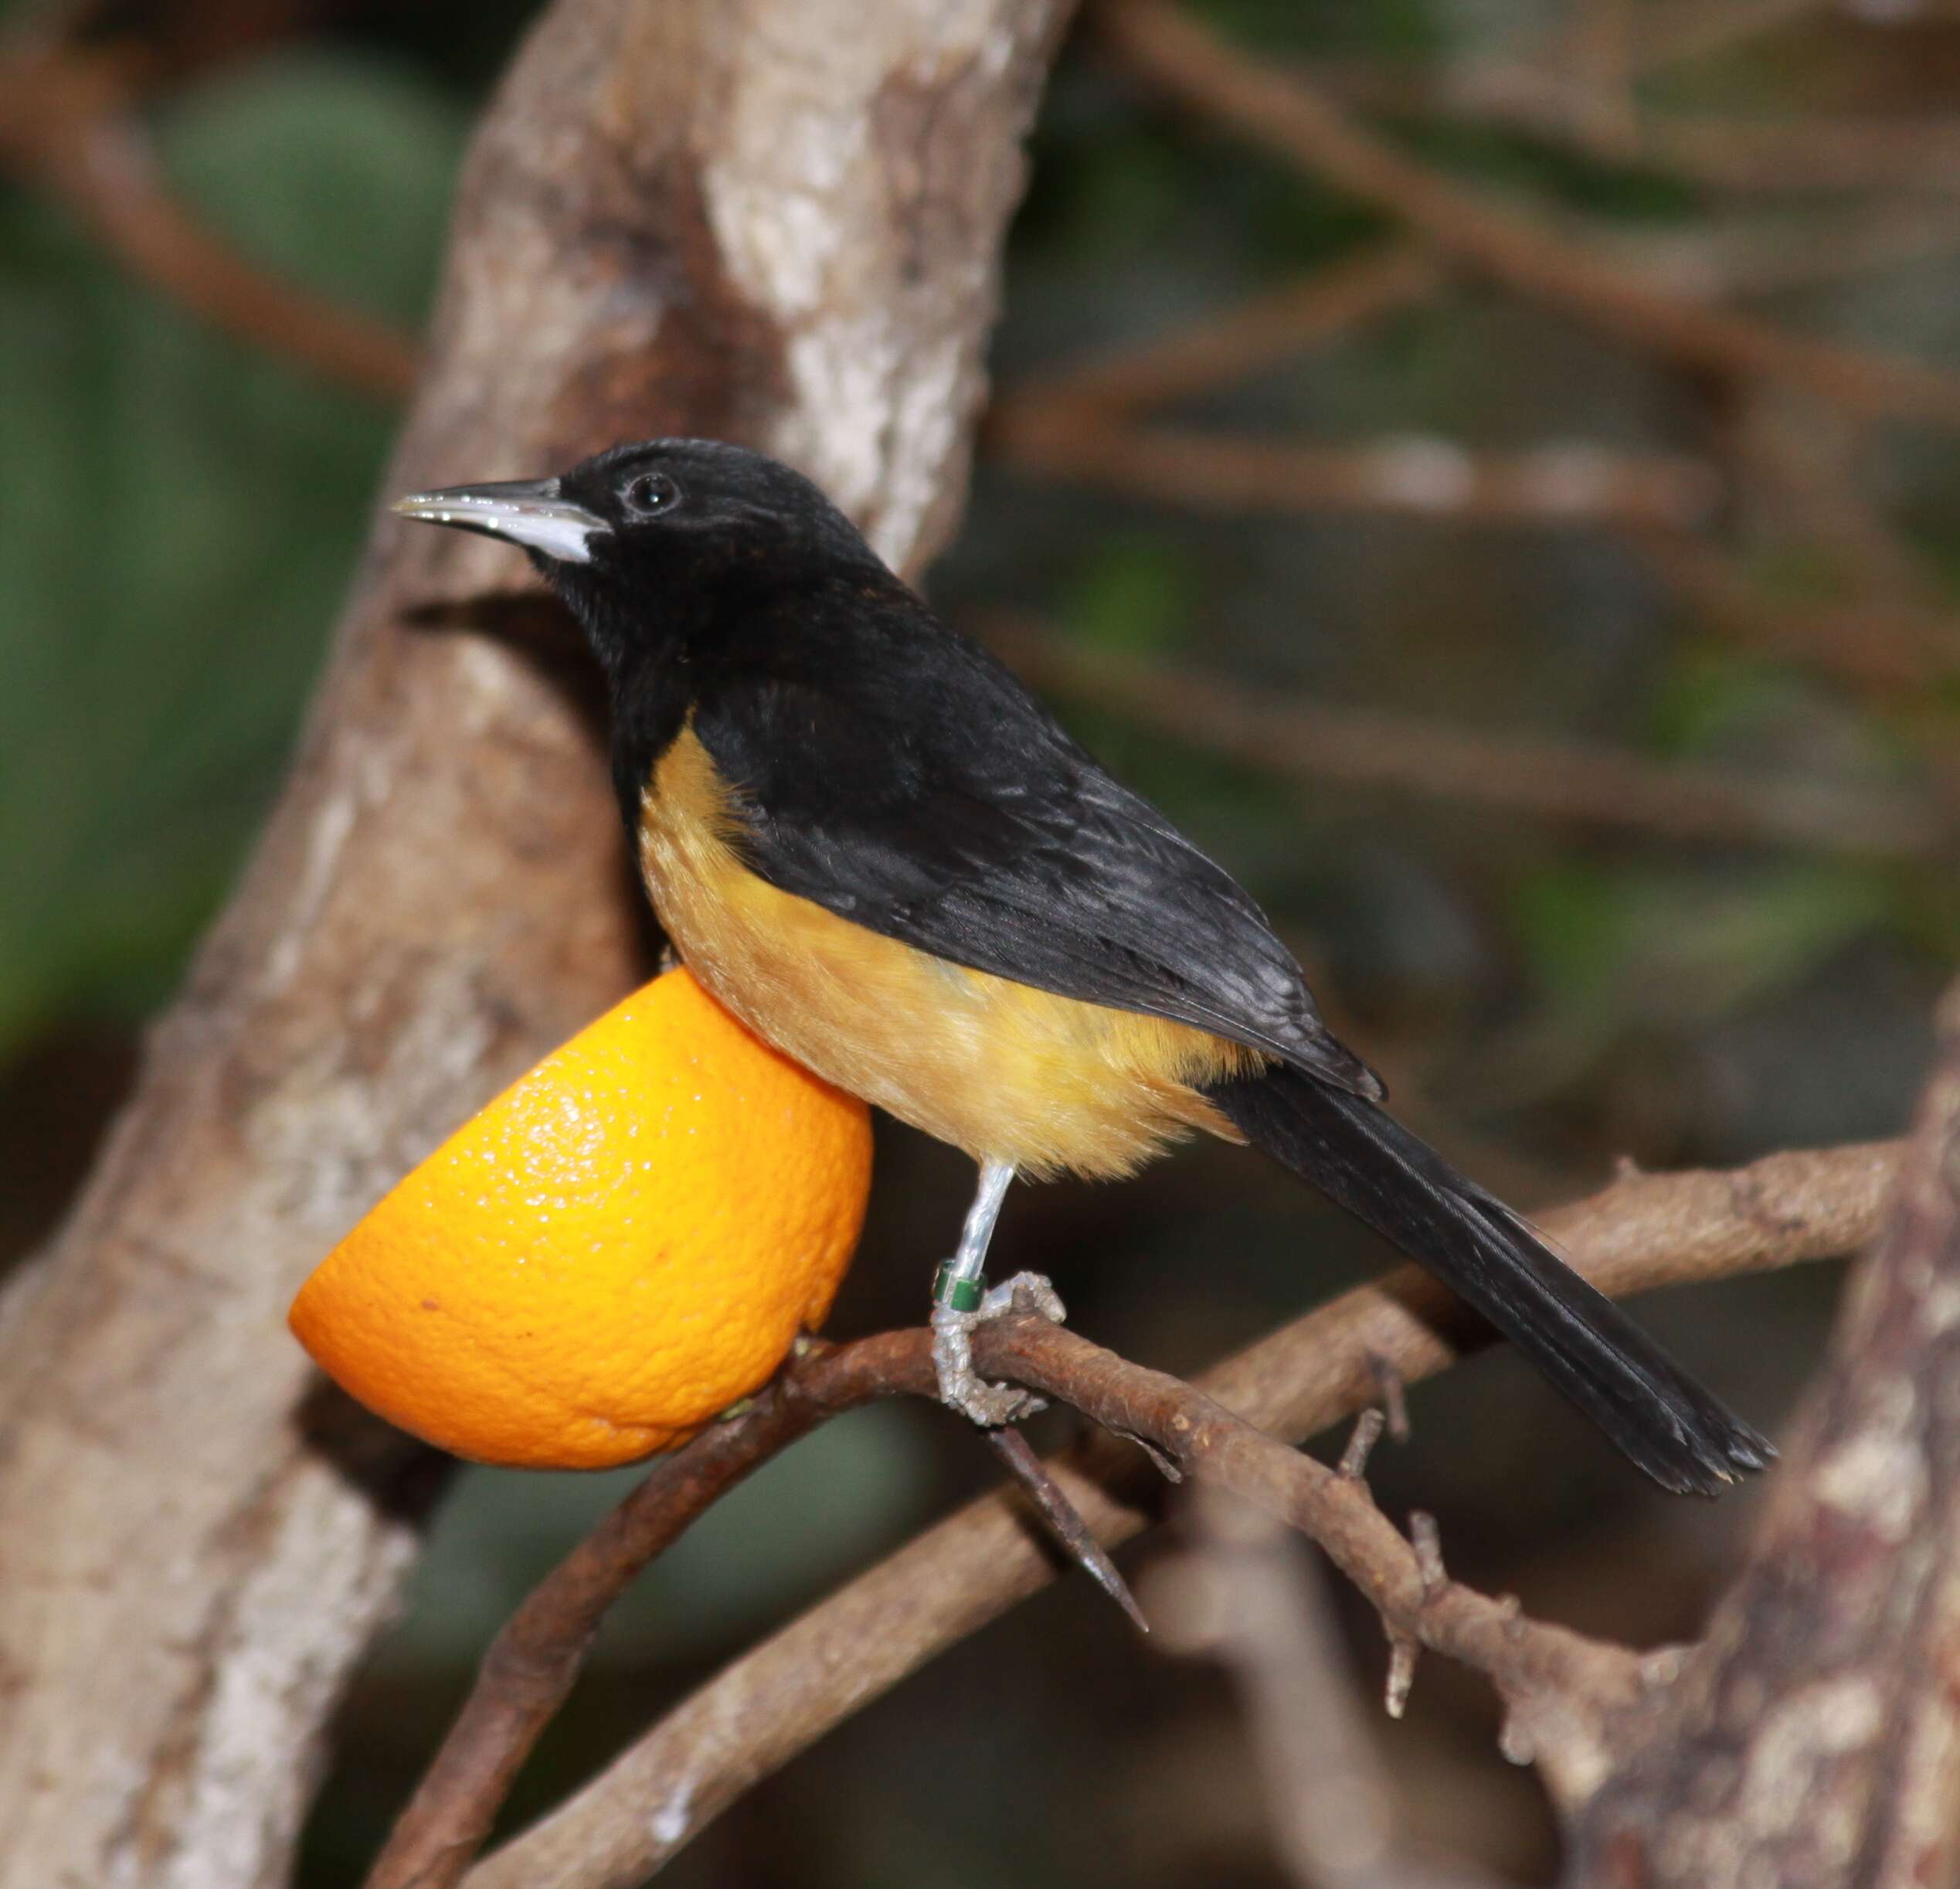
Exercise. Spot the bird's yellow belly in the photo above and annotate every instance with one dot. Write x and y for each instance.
(1005, 1072)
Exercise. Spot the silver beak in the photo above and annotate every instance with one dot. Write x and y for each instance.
(526, 511)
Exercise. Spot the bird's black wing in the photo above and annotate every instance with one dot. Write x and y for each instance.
(909, 783)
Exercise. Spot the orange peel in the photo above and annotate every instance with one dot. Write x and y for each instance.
(625, 1241)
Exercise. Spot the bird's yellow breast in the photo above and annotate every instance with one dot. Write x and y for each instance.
(1002, 1070)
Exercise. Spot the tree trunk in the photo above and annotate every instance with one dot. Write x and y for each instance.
(1813, 1737)
(777, 221)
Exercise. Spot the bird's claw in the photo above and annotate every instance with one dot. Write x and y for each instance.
(960, 1386)
(1026, 1292)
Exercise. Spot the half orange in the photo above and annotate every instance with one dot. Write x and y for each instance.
(625, 1241)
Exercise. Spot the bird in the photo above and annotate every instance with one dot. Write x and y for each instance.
(878, 850)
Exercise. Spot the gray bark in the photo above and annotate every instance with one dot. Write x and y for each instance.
(777, 221)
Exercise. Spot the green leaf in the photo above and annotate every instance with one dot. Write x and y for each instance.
(1620, 949)
(1134, 592)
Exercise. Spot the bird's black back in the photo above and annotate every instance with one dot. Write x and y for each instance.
(888, 768)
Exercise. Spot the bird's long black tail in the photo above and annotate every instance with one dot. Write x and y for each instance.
(1592, 1353)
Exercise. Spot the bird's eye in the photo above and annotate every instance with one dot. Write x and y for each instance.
(648, 492)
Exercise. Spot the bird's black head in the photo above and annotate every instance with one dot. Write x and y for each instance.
(640, 532)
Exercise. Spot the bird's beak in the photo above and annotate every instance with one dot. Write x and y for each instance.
(529, 512)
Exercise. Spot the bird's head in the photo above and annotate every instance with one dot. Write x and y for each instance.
(641, 527)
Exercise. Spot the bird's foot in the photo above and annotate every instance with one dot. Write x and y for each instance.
(1026, 1292)
(960, 1386)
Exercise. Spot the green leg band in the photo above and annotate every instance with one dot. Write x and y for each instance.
(955, 1293)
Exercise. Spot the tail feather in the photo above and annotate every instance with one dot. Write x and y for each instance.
(1590, 1352)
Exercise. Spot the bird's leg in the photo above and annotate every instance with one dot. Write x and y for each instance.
(960, 1301)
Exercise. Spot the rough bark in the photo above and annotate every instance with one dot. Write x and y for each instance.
(776, 221)
(1813, 1737)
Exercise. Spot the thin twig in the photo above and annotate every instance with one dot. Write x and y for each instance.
(1303, 740)
(1532, 97)
(1598, 50)
(1798, 154)
(1368, 1426)
(65, 123)
(1188, 62)
(1683, 30)
(1566, 484)
(523, 1677)
(1246, 1594)
(1802, 467)
(1306, 312)
(1886, 649)
(1739, 257)
(1803, 155)
(1063, 1519)
(1644, 1231)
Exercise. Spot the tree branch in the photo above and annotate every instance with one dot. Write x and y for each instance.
(1753, 254)
(1897, 155)
(1418, 477)
(1642, 1231)
(1561, 1691)
(1188, 62)
(1245, 1593)
(1307, 312)
(1301, 739)
(1882, 647)
(1804, 154)
(64, 122)
(527, 1672)
(1683, 30)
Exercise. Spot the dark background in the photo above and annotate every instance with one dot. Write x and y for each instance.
(179, 514)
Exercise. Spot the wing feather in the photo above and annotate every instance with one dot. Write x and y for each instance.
(921, 792)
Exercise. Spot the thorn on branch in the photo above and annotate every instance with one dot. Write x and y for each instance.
(1514, 1741)
(1064, 1519)
(1663, 1665)
(1402, 1654)
(1366, 1433)
(1165, 1465)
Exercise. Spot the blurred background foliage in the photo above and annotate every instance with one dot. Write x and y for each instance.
(179, 514)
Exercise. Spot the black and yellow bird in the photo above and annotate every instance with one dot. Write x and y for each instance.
(871, 843)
